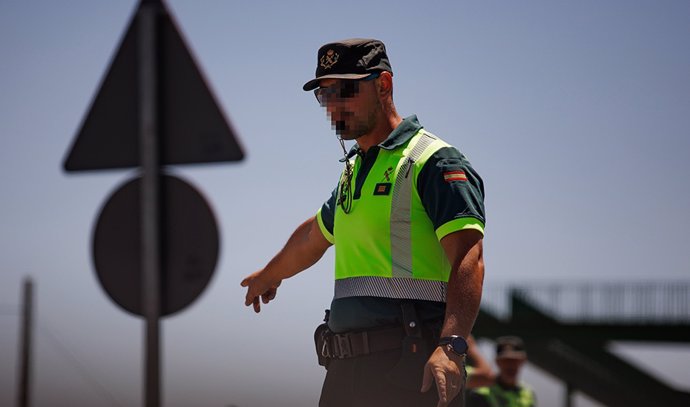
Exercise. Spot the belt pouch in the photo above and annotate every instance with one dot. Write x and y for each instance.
(321, 340)
(409, 371)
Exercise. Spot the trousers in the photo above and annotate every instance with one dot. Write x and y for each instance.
(366, 381)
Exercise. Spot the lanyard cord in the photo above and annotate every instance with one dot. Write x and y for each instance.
(345, 190)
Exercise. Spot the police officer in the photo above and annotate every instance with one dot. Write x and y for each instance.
(508, 391)
(479, 371)
(407, 221)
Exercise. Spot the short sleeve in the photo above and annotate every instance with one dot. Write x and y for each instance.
(452, 192)
(326, 216)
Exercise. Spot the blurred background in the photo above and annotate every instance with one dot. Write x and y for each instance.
(576, 115)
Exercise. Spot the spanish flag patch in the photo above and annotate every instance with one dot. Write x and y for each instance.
(451, 176)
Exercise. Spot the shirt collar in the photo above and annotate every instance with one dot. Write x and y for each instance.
(399, 136)
(506, 386)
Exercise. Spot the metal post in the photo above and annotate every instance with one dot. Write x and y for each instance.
(24, 394)
(150, 202)
(569, 390)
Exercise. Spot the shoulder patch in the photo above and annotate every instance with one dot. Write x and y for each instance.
(450, 176)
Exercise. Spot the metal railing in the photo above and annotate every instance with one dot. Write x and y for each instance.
(634, 302)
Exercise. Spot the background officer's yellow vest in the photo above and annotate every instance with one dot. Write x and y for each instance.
(498, 397)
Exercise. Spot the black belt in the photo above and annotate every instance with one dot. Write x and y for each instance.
(412, 332)
(353, 344)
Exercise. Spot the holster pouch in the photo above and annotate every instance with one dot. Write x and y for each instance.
(321, 336)
(408, 373)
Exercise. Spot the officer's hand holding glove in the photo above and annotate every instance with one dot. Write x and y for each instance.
(446, 369)
(259, 286)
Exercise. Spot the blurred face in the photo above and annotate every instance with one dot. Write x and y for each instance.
(509, 368)
(352, 105)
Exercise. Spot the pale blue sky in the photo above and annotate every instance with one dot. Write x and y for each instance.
(576, 114)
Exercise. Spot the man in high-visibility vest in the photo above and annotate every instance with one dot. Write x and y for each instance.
(407, 222)
(508, 391)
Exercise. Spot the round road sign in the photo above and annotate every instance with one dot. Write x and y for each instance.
(189, 245)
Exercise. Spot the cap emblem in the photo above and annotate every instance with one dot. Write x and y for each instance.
(329, 59)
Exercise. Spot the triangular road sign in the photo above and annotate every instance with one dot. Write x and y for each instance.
(192, 128)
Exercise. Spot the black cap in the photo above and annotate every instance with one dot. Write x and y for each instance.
(510, 347)
(355, 58)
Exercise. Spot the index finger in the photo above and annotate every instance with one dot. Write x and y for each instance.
(441, 388)
(249, 298)
(257, 305)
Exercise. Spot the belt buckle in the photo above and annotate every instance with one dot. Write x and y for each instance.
(342, 346)
(325, 350)
(325, 346)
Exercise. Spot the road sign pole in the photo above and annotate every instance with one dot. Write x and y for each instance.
(569, 390)
(154, 108)
(150, 205)
(24, 393)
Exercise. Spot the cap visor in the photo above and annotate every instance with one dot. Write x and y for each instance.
(314, 83)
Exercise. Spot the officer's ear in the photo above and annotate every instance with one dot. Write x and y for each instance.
(385, 87)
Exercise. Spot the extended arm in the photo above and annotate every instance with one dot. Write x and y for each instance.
(304, 248)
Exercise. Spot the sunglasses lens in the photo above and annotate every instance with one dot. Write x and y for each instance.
(323, 95)
(349, 89)
(346, 90)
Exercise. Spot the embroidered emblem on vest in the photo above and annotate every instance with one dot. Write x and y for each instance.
(388, 173)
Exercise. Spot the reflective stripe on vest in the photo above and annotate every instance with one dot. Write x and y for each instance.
(395, 287)
(401, 240)
(402, 284)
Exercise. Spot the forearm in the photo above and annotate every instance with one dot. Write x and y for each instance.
(464, 251)
(303, 249)
(464, 289)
